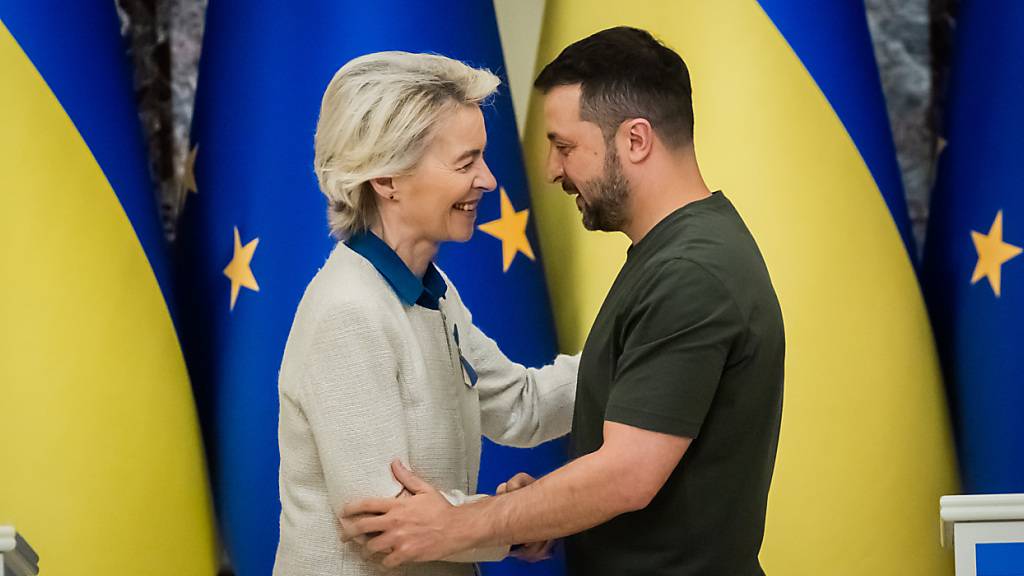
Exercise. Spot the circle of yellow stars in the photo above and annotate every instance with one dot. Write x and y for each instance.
(509, 228)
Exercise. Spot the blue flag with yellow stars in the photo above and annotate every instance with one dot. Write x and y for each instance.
(254, 232)
(973, 272)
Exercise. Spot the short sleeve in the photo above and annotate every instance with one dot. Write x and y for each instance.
(676, 339)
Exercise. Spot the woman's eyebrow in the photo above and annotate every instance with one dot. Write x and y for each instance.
(469, 154)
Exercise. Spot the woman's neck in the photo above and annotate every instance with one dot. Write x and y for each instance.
(416, 253)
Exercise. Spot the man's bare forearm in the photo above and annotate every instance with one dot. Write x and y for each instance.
(624, 475)
(580, 495)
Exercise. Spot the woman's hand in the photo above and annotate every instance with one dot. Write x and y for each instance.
(534, 551)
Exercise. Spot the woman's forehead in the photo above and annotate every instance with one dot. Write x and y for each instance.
(461, 133)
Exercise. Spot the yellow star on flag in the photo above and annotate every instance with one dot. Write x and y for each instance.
(238, 269)
(188, 177)
(511, 230)
(992, 253)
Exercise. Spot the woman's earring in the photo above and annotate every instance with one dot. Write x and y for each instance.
(392, 196)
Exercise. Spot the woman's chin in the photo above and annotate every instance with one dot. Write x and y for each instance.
(462, 229)
(462, 235)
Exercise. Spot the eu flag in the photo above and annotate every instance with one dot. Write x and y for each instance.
(254, 230)
(974, 277)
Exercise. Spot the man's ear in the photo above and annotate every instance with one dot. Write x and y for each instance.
(384, 187)
(639, 139)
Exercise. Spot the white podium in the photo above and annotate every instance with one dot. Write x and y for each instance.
(17, 558)
(986, 532)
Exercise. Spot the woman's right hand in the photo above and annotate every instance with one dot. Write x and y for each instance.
(534, 551)
(515, 483)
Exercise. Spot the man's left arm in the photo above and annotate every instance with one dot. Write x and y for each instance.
(622, 476)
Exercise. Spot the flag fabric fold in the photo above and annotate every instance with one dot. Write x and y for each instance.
(103, 464)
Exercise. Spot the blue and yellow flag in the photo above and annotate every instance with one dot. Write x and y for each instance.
(254, 230)
(791, 125)
(973, 275)
(103, 469)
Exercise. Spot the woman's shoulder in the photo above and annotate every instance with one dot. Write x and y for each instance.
(347, 286)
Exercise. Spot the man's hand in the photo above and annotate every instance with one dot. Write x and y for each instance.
(346, 527)
(420, 528)
(534, 551)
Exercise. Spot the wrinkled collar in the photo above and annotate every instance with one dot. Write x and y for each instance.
(410, 289)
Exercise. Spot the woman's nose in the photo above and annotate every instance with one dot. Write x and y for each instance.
(486, 179)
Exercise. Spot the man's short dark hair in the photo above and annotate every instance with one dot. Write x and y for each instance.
(626, 73)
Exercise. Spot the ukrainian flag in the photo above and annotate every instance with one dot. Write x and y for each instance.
(790, 123)
(973, 274)
(103, 471)
(254, 231)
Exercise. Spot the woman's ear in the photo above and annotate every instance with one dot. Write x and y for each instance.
(384, 187)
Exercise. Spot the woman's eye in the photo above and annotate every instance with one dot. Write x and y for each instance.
(465, 167)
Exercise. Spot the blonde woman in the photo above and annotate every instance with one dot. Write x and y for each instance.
(383, 361)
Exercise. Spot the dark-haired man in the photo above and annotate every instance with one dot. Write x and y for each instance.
(679, 396)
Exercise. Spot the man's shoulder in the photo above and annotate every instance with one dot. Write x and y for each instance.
(711, 270)
(716, 240)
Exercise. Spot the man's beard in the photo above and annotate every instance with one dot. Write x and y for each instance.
(606, 209)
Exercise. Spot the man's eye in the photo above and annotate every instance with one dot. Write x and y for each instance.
(465, 167)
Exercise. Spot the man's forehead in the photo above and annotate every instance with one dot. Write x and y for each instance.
(562, 109)
(564, 98)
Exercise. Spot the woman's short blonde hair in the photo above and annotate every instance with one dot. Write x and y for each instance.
(376, 120)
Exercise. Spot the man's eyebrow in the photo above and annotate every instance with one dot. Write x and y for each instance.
(556, 137)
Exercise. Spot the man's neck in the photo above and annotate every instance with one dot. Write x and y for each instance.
(667, 182)
(649, 207)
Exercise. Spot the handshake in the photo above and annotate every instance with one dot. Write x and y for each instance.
(421, 524)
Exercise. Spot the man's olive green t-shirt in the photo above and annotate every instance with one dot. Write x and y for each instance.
(689, 342)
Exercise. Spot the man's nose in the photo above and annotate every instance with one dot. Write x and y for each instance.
(554, 166)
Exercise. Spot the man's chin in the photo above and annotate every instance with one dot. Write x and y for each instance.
(597, 224)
